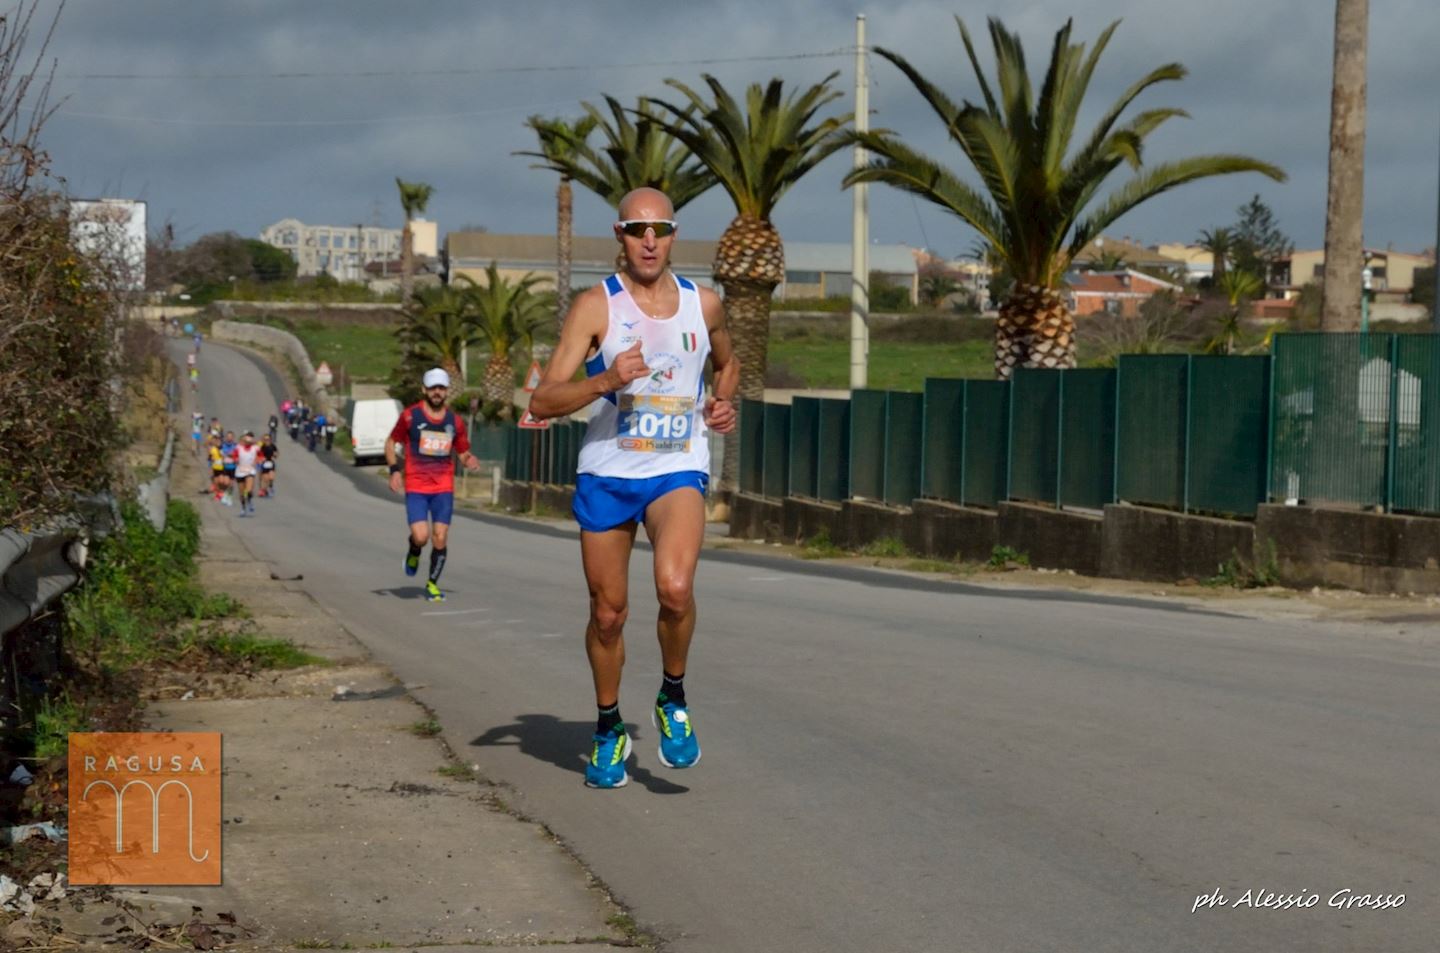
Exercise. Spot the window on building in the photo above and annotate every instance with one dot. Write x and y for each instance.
(372, 242)
(1377, 272)
(325, 240)
(1318, 271)
(354, 242)
(802, 277)
(1112, 306)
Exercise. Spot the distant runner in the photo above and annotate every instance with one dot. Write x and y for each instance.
(643, 336)
(433, 437)
(268, 453)
(247, 464)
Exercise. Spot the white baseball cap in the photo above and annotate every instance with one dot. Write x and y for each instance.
(436, 377)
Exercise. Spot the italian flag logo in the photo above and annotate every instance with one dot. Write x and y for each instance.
(688, 341)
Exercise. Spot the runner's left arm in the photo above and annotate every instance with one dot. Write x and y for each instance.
(720, 403)
(462, 445)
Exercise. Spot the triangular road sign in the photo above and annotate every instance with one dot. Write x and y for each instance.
(532, 377)
(528, 422)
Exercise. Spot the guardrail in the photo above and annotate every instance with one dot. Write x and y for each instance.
(38, 567)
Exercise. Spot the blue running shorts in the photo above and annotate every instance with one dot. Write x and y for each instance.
(437, 507)
(604, 503)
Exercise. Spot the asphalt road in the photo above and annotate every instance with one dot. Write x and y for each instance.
(892, 766)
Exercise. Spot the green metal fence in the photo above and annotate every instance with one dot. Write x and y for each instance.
(1229, 434)
(1331, 418)
(1328, 418)
(832, 479)
(1356, 420)
(1416, 443)
(867, 444)
(1191, 431)
(804, 459)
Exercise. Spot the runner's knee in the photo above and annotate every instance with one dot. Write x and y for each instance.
(676, 591)
(608, 618)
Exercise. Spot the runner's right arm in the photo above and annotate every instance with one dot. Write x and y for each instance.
(584, 328)
(398, 433)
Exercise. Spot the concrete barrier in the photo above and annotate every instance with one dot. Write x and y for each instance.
(804, 519)
(1054, 539)
(755, 517)
(1138, 542)
(1371, 552)
(948, 531)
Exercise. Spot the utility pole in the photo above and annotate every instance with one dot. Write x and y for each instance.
(1435, 305)
(860, 235)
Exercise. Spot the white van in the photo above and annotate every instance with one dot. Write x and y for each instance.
(370, 423)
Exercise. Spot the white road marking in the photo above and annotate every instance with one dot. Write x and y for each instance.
(456, 612)
(767, 579)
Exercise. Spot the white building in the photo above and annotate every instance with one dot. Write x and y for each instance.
(113, 229)
(343, 251)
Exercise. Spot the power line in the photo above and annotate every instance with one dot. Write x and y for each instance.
(456, 71)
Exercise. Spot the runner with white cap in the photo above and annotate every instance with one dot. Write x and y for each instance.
(433, 436)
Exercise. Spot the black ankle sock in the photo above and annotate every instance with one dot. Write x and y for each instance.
(437, 564)
(610, 720)
(415, 548)
(672, 689)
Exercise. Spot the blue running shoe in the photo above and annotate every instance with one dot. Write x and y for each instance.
(679, 748)
(412, 564)
(607, 760)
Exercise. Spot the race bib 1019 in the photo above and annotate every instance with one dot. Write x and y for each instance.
(652, 424)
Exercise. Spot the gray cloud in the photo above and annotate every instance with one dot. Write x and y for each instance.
(1258, 84)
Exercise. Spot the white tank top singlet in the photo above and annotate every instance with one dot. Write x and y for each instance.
(654, 425)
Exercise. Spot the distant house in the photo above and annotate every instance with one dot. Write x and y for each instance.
(1119, 293)
(1132, 254)
(812, 269)
(1392, 273)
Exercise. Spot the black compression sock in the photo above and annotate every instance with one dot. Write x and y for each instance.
(672, 689)
(609, 720)
(437, 564)
(415, 548)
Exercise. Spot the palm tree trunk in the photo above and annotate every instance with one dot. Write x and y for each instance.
(1345, 205)
(1034, 329)
(749, 263)
(498, 384)
(564, 223)
(407, 262)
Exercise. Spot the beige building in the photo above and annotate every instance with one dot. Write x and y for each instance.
(344, 251)
(1199, 263)
(1392, 273)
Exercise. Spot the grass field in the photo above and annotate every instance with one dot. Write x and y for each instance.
(366, 352)
(894, 365)
(811, 359)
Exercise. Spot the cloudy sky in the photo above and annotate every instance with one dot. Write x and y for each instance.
(232, 115)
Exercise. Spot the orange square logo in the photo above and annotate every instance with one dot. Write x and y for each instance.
(145, 808)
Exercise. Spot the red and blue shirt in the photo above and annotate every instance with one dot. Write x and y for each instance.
(431, 444)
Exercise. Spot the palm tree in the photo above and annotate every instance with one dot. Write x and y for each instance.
(414, 196)
(504, 314)
(1238, 287)
(438, 328)
(560, 141)
(1220, 243)
(756, 152)
(1035, 207)
(634, 154)
(1345, 203)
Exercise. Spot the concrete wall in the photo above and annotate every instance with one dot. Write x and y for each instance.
(1142, 543)
(1371, 552)
(1053, 539)
(282, 342)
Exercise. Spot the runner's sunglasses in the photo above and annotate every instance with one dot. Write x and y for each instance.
(637, 227)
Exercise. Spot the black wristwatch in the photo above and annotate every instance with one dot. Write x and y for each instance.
(396, 467)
